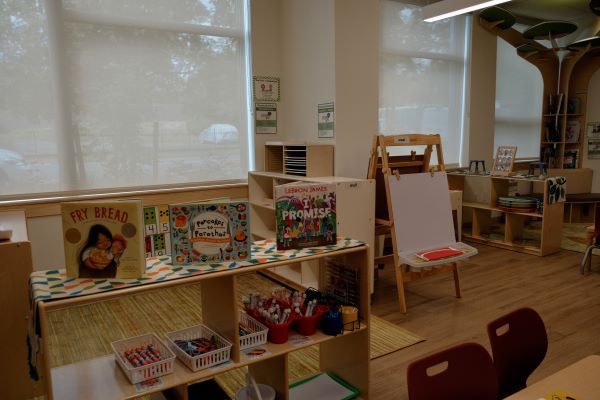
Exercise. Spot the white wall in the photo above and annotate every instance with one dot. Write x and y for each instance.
(327, 50)
(266, 60)
(308, 74)
(356, 84)
(593, 115)
(479, 129)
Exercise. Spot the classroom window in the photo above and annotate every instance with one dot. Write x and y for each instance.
(102, 94)
(519, 91)
(422, 72)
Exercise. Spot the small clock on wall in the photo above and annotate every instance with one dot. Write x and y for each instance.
(505, 158)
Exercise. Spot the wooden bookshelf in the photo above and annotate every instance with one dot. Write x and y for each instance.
(355, 205)
(537, 233)
(100, 377)
(566, 78)
(299, 159)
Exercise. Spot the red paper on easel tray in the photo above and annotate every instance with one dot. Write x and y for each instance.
(439, 254)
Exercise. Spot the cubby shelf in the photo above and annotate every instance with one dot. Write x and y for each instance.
(299, 159)
(346, 355)
(484, 222)
(355, 203)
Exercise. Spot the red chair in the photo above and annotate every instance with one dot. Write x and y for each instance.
(461, 372)
(519, 343)
(586, 261)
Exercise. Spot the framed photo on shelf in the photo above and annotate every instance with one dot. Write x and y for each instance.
(505, 158)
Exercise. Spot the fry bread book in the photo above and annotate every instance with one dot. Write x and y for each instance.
(210, 232)
(305, 215)
(103, 239)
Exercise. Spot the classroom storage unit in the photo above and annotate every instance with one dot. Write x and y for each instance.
(355, 205)
(535, 232)
(346, 355)
(300, 159)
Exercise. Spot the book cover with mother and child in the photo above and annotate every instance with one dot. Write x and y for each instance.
(305, 215)
(103, 239)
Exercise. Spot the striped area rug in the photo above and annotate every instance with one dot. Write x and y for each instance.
(84, 332)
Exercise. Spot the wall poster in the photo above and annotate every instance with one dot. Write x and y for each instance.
(326, 120)
(265, 118)
(266, 88)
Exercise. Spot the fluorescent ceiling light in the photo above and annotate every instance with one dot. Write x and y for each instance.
(450, 8)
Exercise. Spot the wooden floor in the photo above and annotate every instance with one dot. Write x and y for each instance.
(493, 283)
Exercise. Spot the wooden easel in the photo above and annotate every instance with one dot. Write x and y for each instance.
(381, 165)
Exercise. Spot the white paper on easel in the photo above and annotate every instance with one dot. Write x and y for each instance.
(422, 211)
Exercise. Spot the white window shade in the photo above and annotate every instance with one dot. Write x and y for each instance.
(155, 93)
(422, 70)
(519, 89)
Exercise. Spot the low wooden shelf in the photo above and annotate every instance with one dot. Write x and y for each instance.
(482, 218)
(355, 208)
(101, 378)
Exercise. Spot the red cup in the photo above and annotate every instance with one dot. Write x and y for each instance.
(278, 333)
(307, 326)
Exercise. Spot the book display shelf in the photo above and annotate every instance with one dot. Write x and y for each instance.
(300, 159)
(346, 355)
(355, 202)
(485, 220)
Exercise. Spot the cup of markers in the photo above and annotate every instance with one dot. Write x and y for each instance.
(281, 310)
(309, 316)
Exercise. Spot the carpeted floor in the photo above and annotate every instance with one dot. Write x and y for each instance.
(84, 332)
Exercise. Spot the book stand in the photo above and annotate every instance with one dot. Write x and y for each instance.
(413, 206)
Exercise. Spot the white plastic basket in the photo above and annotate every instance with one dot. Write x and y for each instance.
(201, 361)
(145, 372)
(259, 334)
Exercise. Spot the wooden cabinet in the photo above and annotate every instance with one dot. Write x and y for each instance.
(346, 355)
(355, 208)
(299, 159)
(536, 232)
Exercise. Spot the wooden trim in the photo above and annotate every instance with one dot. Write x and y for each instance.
(51, 206)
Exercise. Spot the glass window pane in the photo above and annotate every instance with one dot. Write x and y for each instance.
(218, 13)
(519, 89)
(421, 76)
(403, 30)
(27, 136)
(154, 107)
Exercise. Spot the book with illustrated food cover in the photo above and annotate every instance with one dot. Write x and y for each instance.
(157, 231)
(305, 215)
(210, 232)
(103, 239)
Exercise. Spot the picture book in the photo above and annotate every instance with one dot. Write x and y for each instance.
(572, 132)
(305, 215)
(157, 231)
(103, 239)
(570, 158)
(210, 232)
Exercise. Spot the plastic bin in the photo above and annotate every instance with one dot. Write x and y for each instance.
(202, 361)
(259, 334)
(145, 372)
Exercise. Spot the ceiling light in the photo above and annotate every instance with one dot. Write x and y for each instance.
(450, 8)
